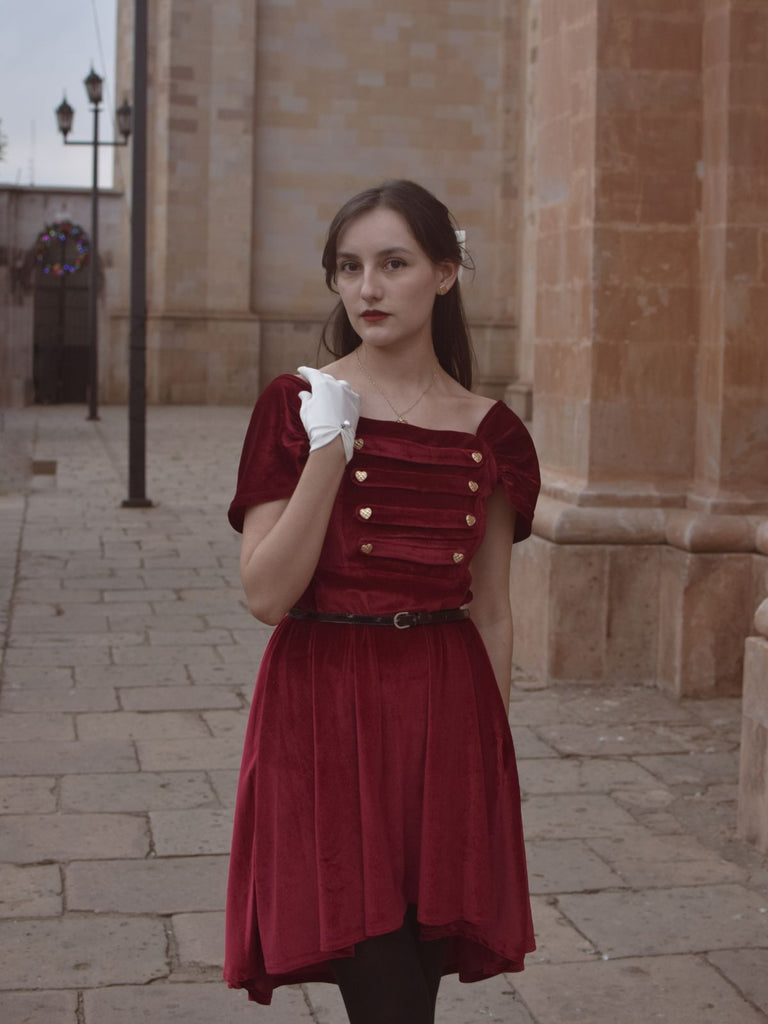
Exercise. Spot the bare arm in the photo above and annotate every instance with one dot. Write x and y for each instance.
(282, 539)
(490, 607)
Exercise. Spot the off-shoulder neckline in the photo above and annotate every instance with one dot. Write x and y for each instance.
(434, 430)
(415, 426)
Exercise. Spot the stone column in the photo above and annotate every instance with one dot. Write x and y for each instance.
(613, 587)
(709, 565)
(753, 779)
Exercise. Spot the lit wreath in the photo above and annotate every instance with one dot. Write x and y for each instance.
(53, 253)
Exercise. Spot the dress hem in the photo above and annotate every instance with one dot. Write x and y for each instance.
(312, 967)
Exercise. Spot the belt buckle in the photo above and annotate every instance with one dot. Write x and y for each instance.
(404, 625)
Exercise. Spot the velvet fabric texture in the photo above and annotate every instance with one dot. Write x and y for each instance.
(378, 769)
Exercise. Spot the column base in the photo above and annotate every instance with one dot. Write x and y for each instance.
(642, 606)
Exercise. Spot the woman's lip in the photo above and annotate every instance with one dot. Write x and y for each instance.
(374, 314)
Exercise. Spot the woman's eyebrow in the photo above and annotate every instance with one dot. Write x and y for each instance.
(382, 252)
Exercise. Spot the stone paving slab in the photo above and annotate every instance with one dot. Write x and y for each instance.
(611, 739)
(225, 785)
(69, 699)
(644, 860)
(747, 970)
(138, 725)
(583, 775)
(166, 885)
(227, 723)
(143, 791)
(326, 1002)
(667, 990)
(161, 698)
(573, 816)
(674, 920)
(20, 677)
(130, 675)
(191, 832)
(529, 745)
(38, 1007)
(179, 1003)
(81, 951)
(694, 769)
(188, 754)
(30, 838)
(494, 1001)
(29, 796)
(557, 939)
(64, 758)
(200, 938)
(30, 891)
(33, 727)
(164, 654)
(224, 674)
(56, 656)
(627, 705)
(567, 865)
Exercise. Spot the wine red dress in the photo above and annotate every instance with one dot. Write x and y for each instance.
(378, 768)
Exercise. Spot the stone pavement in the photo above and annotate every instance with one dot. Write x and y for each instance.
(127, 670)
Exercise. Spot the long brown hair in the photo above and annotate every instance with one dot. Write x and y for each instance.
(432, 225)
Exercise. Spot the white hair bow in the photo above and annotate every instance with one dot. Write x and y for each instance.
(461, 238)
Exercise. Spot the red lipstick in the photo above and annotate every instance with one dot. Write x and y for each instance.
(373, 316)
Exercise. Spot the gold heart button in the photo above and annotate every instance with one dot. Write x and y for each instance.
(473, 486)
(366, 548)
(361, 476)
(358, 443)
(471, 520)
(458, 557)
(365, 513)
(477, 456)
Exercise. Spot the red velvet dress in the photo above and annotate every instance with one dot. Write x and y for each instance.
(378, 767)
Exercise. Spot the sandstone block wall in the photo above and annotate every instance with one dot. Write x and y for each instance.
(264, 118)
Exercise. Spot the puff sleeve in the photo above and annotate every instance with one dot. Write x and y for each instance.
(275, 449)
(516, 462)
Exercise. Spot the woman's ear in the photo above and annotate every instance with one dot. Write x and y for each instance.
(448, 274)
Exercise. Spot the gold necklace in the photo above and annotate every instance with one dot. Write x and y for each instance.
(399, 416)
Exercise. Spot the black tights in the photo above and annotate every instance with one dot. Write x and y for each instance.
(392, 978)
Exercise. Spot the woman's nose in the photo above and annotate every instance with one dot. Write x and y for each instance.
(371, 284)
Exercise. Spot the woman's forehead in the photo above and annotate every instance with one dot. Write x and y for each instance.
(377, 230)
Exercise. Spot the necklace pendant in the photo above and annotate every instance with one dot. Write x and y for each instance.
(401, 419)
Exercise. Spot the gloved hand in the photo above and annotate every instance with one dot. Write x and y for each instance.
(332, 408)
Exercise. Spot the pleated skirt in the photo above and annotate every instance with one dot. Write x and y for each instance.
(378, 771)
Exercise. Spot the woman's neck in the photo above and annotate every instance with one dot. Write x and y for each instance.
(407, 369)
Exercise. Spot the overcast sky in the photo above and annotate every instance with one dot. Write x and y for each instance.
(46, 50)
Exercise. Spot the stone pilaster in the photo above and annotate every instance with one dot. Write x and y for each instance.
(202, 333)
(630, 575)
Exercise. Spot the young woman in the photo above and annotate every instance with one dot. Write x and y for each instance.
(377, 838)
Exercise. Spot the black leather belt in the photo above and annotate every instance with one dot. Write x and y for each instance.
(400, 620)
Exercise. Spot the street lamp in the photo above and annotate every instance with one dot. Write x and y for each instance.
(64, 117)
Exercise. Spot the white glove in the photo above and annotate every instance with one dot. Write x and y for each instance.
(332, 408)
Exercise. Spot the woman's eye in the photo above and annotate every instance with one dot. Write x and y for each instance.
(395, 263)
(347, 267)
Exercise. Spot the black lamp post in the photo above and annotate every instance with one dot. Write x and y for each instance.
(64, 116)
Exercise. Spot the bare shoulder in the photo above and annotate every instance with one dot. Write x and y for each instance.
(465, 409)
(339, 368)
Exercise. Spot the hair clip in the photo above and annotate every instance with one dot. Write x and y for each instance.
(461, 238)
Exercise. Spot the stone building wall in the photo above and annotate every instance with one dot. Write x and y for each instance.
(24, 213)
(264, 117)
